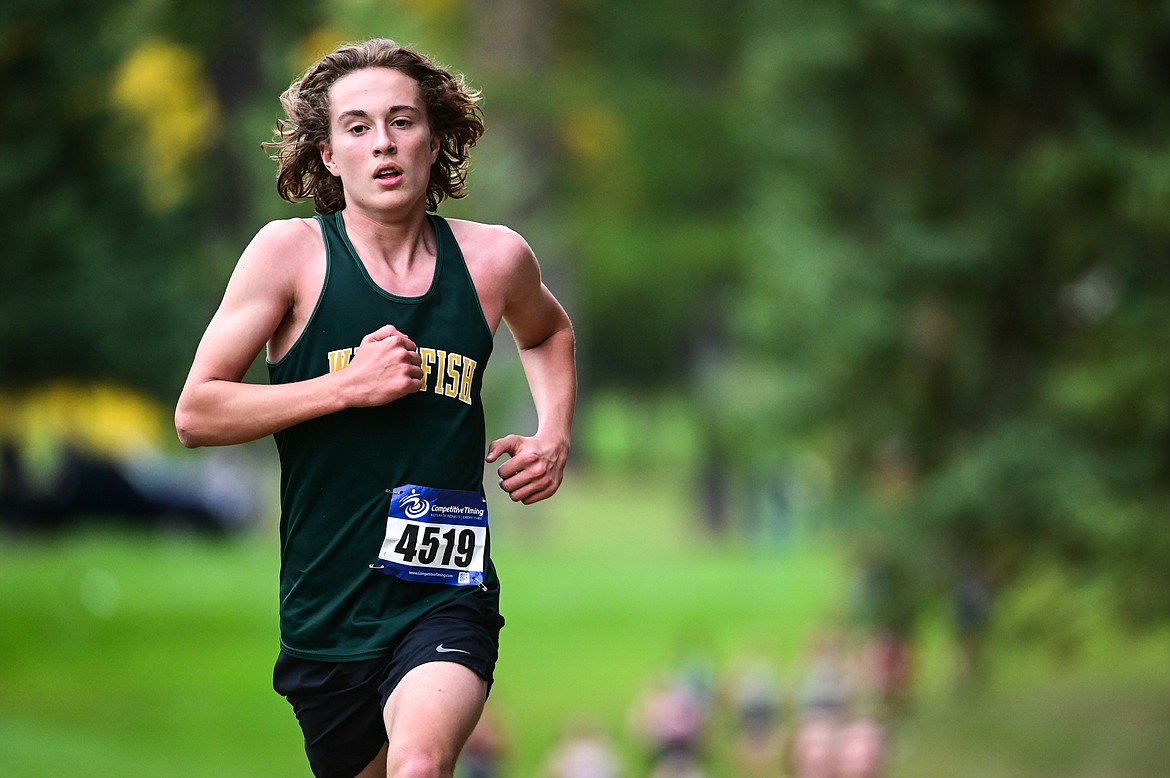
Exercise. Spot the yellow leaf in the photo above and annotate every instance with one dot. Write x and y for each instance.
(172, 116)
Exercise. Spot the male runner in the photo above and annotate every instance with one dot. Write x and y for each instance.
(378, 317)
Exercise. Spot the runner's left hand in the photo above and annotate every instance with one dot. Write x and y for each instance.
(534, 469)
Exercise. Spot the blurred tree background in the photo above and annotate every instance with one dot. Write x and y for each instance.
(964, 213)
(902, 259)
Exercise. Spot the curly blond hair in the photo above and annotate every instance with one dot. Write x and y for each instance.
(452, 111)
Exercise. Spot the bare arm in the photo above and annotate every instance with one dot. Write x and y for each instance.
(217, 408)
(544, 336)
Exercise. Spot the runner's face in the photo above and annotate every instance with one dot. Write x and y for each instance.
(381, 145)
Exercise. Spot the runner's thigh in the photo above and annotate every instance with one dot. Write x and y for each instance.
(430, 715)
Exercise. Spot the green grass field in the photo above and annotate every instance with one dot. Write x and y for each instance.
(138, 655)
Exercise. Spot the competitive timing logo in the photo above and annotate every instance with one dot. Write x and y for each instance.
(415, 507)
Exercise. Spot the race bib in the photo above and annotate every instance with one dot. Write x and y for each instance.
(435, 536)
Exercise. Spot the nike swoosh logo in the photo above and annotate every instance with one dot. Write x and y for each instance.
(444, 650)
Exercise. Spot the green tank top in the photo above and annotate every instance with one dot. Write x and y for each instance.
(337, 470)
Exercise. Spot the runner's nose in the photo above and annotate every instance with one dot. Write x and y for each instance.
(384, 142)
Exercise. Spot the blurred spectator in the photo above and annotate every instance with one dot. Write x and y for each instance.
(971, 605)
(483, 754)
(814, 746)
(828, 684)
(839, 746)
(887, 671)
(769, 519)
(838, 733)
(755, 705)
(584, 752)
(670, 719)
(860, 748)
(884, 613)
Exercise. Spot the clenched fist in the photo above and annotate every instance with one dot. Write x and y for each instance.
(385, 367)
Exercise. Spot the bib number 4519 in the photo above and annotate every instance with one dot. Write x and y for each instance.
(455, 546)
(435, 536)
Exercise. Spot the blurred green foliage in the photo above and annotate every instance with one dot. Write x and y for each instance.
(905, 253)
(970, 282)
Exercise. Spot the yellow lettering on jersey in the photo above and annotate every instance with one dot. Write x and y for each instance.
(339, 359)
(440, 369)
(454, 363)
(428, 361)
(468, 376)
(454, 373)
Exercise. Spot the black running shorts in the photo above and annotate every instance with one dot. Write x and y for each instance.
(339, 704)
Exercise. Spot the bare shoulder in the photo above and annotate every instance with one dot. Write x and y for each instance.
(286, 239)
(284, 258)
(493, 244)
(501, 263)
(507, 278)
